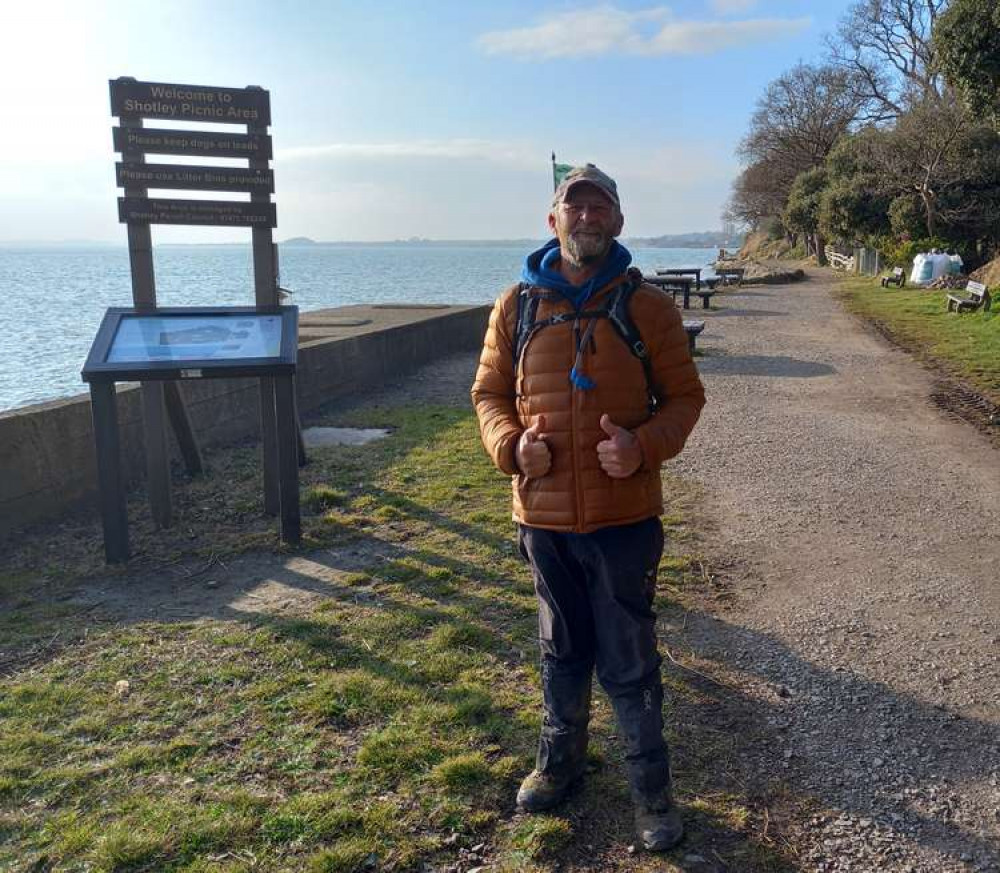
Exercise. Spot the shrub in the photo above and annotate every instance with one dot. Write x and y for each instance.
(900, 253)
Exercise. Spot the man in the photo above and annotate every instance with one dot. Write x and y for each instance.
(581, 411)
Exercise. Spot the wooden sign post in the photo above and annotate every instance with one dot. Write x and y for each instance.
(133, 102)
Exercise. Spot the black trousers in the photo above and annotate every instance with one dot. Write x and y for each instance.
(595, 610)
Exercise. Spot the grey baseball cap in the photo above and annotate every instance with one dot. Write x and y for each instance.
(591, 175)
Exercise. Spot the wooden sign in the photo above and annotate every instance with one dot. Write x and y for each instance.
(134, 102)
(209, 144)
(131, 99)
(227, 213)
(194, 178)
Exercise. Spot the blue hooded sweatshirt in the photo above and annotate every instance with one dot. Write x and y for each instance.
(540, 269)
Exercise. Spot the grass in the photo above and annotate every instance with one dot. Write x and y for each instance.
(966, 344)
(380, 723)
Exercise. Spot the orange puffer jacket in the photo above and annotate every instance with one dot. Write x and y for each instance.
(576, 494)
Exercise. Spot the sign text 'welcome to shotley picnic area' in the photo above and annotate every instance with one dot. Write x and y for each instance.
(133, 101)
(190, 103)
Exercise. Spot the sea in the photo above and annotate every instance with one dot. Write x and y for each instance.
(52, 297)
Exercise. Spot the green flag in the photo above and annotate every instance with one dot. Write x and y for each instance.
(559, 172)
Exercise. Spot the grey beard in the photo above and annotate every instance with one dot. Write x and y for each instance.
(588, 254)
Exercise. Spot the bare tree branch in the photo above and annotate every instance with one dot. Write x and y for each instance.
(887, 45)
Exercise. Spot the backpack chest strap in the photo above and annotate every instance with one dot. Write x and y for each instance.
(617, 312)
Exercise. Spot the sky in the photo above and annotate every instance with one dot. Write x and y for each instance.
(393, 119)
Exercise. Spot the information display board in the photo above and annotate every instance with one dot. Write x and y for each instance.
(194, 342)
(192, 338)
(155, 346)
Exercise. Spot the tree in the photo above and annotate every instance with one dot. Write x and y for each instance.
(754, 196)
(887, 45)
(937, 171)
(906, 217)
(924, 154)
(801, 213)
(967, 40)
(852, 207)
(799, 118)
(797, 121)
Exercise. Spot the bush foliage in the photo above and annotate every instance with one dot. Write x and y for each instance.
(894, 140)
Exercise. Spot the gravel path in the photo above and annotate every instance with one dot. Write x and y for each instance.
(851, 523)
(856, 526)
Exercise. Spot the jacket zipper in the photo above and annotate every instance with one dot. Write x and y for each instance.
(575, 397)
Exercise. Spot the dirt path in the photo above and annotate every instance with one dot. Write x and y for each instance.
(856, 527)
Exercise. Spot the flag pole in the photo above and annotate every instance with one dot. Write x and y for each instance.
(555, 180)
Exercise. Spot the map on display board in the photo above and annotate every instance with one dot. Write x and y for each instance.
(222, 337)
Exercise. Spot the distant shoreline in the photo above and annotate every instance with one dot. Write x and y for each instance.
(421, 243)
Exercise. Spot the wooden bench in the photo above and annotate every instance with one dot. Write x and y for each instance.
(730, 275)
(671, 285)
(977, 297)
(897, 278)
(705, 297)
(692, 329)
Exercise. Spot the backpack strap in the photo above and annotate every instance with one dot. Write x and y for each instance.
(624, 325)
(621, 320)
(526, 321)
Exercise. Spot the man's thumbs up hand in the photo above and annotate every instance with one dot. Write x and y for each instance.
(612, 429)
(531, 454)
(620, 455)
(534, 432)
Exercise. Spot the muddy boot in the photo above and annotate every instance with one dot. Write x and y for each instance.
(658, 823)
(639, 712)
(562, 746)
(540, 791)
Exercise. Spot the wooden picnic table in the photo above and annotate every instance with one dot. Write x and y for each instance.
(683, 271)
(679, 284)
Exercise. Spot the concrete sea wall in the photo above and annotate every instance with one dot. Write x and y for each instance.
(47, 461)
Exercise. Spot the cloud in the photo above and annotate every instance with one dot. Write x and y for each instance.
(569, 34)
(655, 31)
(449, 149)
(732, 7)
(706, 37)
